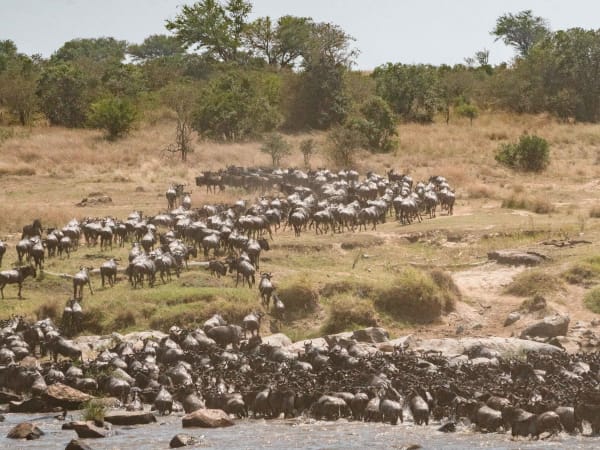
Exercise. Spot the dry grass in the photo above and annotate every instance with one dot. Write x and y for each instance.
(533, 282)
(536, 204)
(315, 275)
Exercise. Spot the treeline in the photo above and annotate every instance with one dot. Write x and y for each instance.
(229, 78)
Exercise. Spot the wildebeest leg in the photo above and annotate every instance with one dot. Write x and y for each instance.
(20, 286)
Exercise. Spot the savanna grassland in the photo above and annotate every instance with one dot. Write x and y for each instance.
(348, 278)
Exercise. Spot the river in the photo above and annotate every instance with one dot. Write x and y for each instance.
(286, 434)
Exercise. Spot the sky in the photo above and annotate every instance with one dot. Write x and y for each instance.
(406, 31)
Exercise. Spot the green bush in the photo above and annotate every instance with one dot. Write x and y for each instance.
(114, 115)
(276, 147)
(533, 282)
(349, 313)
(418, 296)
(94, 410)
(530, 154)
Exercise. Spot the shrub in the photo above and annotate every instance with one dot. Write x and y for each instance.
(308, 147)
(467, 110)
(592, 300)
(530, 154)
(344, 143)
(276, 147)
(534, 204)
(535, 303)
(93, 320)
(416, 296)
(114, 115)
(583, 272)
(349, 313)
(124, 319)
(52, 310)
(595, 212)
(533, 282)
(94, 410)
(299, 296)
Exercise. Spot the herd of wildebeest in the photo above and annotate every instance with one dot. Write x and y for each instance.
(227, 366)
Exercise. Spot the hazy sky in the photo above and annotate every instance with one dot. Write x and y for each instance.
(415, 31)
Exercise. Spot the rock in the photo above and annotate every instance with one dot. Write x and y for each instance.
(595, 322)
(2, 418)
(207, 418)
(89, 429)
(452, 347)
(33, 405)
(182, 440)
(277, 340)
(448, 427)
(517, 258)
(25, 430)
(460, 329)
(59, 394)
(6, 397)
(477, 326)
(549, 327)
(390, 346)
(130, 418)
(372, 335)
(76, 444)
(512, 318)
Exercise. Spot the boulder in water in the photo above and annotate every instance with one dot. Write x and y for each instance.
(59, 394)
(76, 444)
(207, 418)
(130, 418)
(25, 430)
(182, 440)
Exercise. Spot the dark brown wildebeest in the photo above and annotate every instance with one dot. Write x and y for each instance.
(15, 276)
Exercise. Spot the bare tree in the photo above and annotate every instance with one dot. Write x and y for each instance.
(181, 98)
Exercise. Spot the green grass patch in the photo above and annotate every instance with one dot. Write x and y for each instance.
(533, 282)
(592, 300)
(349, 313)
(417, 296)
(94, 410)
(583, 273)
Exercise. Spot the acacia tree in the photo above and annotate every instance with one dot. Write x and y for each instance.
(213, 27)
(276, 147)
(155, 46)
(308, 147)
(521, 30)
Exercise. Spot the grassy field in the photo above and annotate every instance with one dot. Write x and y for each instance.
(44, 172)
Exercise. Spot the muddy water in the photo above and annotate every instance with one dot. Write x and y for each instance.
(288, 434)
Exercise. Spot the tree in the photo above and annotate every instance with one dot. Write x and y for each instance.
(18, 82)
(318, 96)
(236, 106)
(343, 144)
(213, 27)
(377, 125)
(467, 110)
(64, 94)
(114, 115)
(99, 52)
(276, 147)
(308, 147)
(454, 84)
(181, 98)
(155, 46)
(412, 91)
(521, 30)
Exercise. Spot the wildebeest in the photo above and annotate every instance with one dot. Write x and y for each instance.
(266, 288)
(16, 276)
(80, 279)
(217, 268)
(33, 229)
(108, 271)
(2, 250)
(174, 191)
